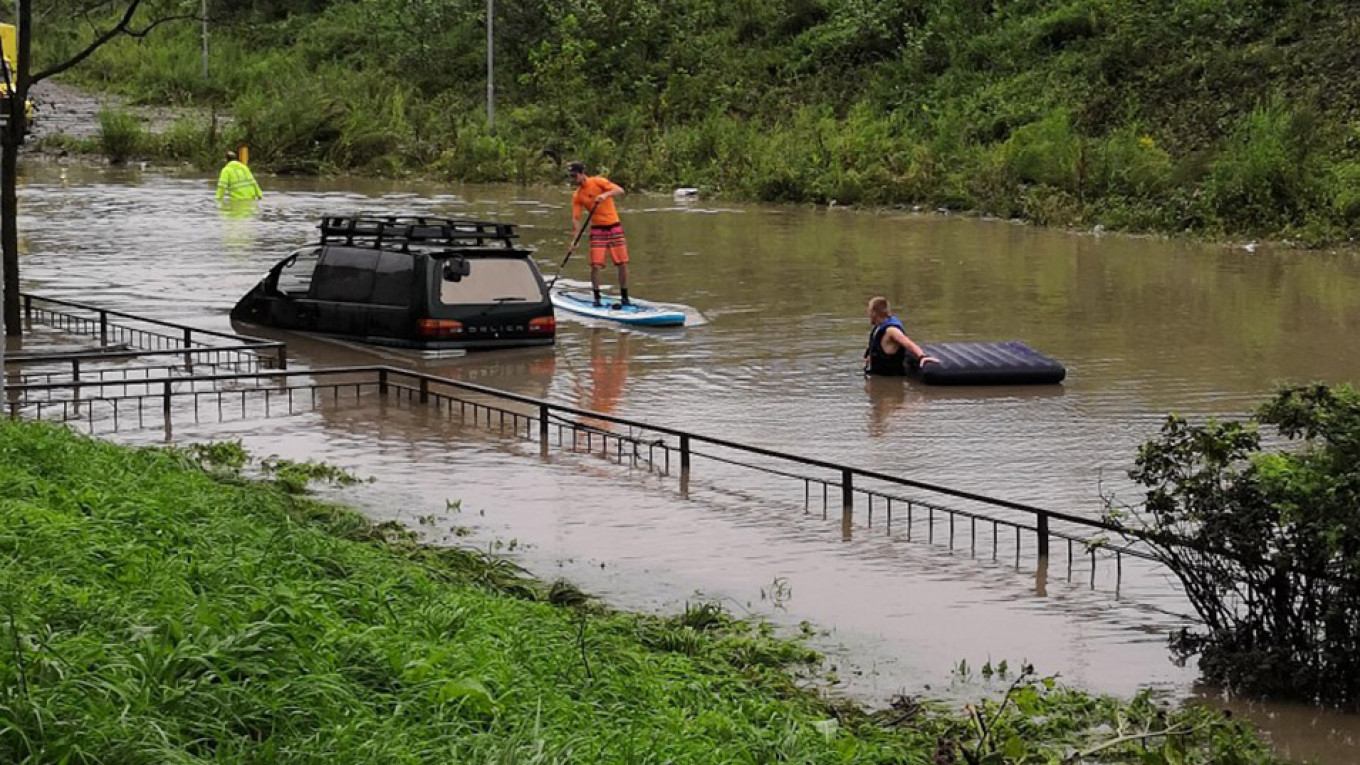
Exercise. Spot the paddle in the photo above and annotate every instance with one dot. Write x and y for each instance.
(584, 225)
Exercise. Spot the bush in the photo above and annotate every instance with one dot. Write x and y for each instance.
(1129, 162)
(189, 139)
(1046, 151)
(1346, 191)
(1266, 542)
(120, 134)
(1265, 176)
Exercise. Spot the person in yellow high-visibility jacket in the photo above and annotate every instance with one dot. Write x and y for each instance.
(236, 181)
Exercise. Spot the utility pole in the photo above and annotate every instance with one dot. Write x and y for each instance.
(205, 39)
(490, 66)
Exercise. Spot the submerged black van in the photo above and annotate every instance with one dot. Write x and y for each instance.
(413, 282)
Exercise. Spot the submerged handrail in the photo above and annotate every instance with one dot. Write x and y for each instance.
(188, 344)
(386, 373)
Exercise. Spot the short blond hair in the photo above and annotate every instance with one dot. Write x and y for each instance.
(880, 306)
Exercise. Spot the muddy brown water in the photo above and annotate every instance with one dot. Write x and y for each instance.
(1145, 327)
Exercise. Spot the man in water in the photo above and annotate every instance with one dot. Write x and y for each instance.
(890, 351)
(606, 232)
(236, 181)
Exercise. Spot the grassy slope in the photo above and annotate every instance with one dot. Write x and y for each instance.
(1212, 116)
(156, 610)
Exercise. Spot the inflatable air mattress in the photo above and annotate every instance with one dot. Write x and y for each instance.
(1011, 363)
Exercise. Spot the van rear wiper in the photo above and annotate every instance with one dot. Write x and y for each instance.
(500, 301)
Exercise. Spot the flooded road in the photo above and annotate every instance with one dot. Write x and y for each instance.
(1144, 326)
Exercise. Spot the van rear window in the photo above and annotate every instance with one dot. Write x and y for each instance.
(492, 280)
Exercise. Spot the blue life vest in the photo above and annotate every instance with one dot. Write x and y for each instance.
(882, 363)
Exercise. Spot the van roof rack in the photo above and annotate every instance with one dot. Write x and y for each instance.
(383, 231)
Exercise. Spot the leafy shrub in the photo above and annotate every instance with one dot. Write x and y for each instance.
(1346, 191)
(1046, 151)
(120, 134)
(188, 139)
(1266, 542)
(1266, 173)
(1129, 162)
(1065, 26)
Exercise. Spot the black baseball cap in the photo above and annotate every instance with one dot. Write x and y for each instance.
(576, 167)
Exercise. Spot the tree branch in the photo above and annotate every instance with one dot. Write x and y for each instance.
(118, 29)
(144, 32)
(1079, 756)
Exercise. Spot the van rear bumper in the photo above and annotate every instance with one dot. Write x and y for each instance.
(488, 344)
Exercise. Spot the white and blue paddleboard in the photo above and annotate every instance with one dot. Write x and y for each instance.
(637, 312)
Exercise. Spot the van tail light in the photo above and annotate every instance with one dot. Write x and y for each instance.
(439, 327)
(543, 325)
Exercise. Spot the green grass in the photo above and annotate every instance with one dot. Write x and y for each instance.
(158, 607)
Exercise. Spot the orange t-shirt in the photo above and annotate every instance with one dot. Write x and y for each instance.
(595, 185)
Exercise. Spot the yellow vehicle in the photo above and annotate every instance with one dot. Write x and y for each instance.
(9, 39)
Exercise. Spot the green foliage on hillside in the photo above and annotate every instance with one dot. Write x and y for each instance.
(1209, 116)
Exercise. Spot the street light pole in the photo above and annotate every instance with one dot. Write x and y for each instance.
(490, 66)
(204, 7)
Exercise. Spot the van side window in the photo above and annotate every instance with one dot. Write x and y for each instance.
(295, 277)
(395, 279)
(345, 275)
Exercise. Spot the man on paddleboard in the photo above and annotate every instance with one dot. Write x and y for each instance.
(890, 351)
(606, 232)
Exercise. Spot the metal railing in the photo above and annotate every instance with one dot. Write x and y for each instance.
(922, 510)
(125, 338)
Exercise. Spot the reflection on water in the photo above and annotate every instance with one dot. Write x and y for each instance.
(603, 388)
(887, 404)
(1144, 326)
(238, 229)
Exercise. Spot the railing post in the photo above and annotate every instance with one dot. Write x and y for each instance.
(103, 329)
(543, 429)
(165, 402)
(282, 356)
(28, 309)
(382, 382)
(847, 503)
(188, 343)
(75, 371)
(684, 465)
(424, 390)
(1041, 577)
(1043, 534)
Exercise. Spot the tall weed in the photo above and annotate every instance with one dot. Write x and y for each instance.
(121, 135)
(1266, 174)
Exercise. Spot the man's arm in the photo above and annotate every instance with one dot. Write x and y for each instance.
(611, 190)
(900, 337)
